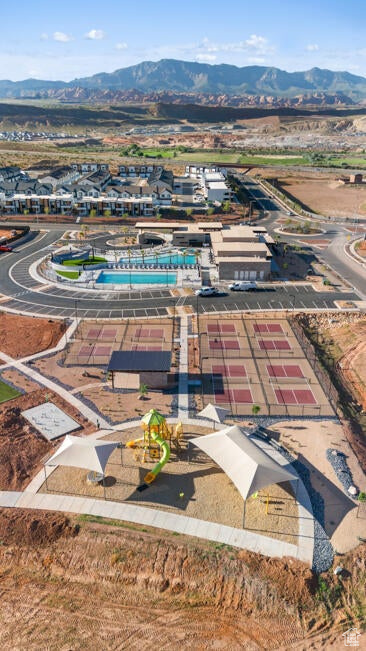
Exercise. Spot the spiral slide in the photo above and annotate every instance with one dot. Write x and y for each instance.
(149, 478)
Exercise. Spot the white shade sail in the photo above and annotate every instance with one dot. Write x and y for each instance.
(248, 467)
(212, 412)
(83, 453)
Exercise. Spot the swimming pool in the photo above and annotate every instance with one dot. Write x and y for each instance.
(136, 278)
(162, 258)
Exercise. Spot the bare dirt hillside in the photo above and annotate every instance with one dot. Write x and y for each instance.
(24, 335)
(114, 586)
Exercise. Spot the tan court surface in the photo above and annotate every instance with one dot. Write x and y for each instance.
(94, 342)
(246, 361)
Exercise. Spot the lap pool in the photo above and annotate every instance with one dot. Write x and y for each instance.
(136, 278)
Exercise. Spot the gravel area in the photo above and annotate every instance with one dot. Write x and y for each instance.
(323, 551)
(338, 461)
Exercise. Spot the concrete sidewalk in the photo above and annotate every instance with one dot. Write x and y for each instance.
(154, 518)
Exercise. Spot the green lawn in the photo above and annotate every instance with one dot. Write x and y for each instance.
(79, 262)
(7, 392)
(202, 156)
(72, 275)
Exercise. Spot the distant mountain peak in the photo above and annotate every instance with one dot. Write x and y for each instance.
(177, 76)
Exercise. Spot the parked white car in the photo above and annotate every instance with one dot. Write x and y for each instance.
(207, 291)
(243, 286)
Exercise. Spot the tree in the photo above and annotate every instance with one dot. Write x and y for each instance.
(143, 391)
(210, 211)
(226, 206)
(255, 410)
(189, 212)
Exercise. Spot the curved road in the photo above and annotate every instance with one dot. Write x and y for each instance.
(333, 255)
(21, 293)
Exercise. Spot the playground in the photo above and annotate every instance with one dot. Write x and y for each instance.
(155, 467)
(248, 363)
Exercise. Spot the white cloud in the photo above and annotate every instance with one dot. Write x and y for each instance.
(254, 45)
(44, 36)
(206, 58)
(95, 35)
(61, 37)
(312, 47)
(121, 46)
(256, 42)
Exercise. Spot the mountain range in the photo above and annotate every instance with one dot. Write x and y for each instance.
(170, 75)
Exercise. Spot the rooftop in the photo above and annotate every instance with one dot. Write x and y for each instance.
(138, 360)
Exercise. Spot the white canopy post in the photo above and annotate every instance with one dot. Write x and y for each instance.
(214, 413)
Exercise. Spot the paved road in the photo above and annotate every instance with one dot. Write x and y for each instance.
(333, 255)
(27, 296)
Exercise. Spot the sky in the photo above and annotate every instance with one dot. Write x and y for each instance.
(53, 40)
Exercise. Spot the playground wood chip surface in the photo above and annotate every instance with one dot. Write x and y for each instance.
(196, 488)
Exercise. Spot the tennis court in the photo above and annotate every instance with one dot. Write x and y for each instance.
(223, 344)
(93, 343)
(295, 397)
(146, 347)
(231, 370)
(149, 333)
(233, 396)
(221, 328)
(274, 344)
(284, 371)
(268, 328)
(246, 361)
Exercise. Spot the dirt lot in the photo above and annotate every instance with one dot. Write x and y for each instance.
(21, 447)
(340, 340)
(169, 591)
(23, 335)
(321, 192)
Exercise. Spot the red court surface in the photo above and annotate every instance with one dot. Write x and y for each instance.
(150, 333)
(285, 370)
(108, 332)
(145, 347)
(225, 328)
(295, 397)
(269, 328)
(274, 344)
(234, 396)
(85, 351)
(230, 370)
(93, 333)
(102, 351)
(223, 344)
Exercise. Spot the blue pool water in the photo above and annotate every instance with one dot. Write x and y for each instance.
(136, 278)
(164, 258)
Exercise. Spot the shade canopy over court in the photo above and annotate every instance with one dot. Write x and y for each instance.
(83, 453)
(248, 467)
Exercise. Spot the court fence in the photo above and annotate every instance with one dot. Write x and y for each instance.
(320, 372)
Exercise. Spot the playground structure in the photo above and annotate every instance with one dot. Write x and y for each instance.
(156, 442)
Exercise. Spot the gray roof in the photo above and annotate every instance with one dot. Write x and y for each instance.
(59, 172)
(139, 360)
